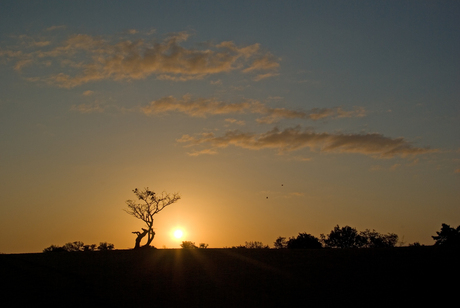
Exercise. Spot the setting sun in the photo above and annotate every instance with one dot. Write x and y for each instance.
(178, 234)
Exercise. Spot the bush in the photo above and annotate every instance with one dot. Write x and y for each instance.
(75, 246)
(104, 246)
(252, 245)
(54, 248)
(304, 241)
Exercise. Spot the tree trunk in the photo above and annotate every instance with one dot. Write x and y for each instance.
(150, 238)
(140, 236)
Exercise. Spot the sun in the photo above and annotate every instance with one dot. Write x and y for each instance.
(178, 233)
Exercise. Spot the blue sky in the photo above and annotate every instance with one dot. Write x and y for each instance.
(339, 112)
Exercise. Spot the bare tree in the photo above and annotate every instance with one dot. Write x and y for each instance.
(150, 205)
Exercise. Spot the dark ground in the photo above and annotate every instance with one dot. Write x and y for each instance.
(397, 277)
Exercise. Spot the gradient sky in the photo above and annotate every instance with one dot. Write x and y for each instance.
(270, 118)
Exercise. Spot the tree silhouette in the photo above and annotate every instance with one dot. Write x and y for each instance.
(304, 241)
(280, 242)
(447, 237)
(150, 205)
(345, 237)
(373, 239)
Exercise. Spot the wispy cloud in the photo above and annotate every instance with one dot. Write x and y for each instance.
(83, 58)
(202, 107)
(275, 114)
(199, 107)
(291, 139)
(203, 152)
(52, 28)
(87, 108)
(235, 121)
(264, 76)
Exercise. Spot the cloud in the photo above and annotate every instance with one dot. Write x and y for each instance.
(457, 170)
(88, 93)
(87, 108)
(216, 82)
(266, 62)
(97, 58)
(52, 28)
(41, 43)
(275, 114)
(203, 152)
(264, 76)
(202, 107)
(291, 139)
(235, 121)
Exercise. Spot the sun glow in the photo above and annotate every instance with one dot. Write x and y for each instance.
(178, 233)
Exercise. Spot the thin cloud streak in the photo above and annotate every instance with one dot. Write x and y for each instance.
(292, 139)
(202, 107)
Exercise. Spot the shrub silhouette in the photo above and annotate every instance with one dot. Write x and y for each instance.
(79, 246)
(304, 241)
(74, 246)
(54, 248)
(252, 245)
(104, 246)
(188, 245)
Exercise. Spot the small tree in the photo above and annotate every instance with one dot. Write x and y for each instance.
(150, 205)
(304, 241)
(447, 237)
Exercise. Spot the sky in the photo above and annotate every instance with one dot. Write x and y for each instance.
(269, 118)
